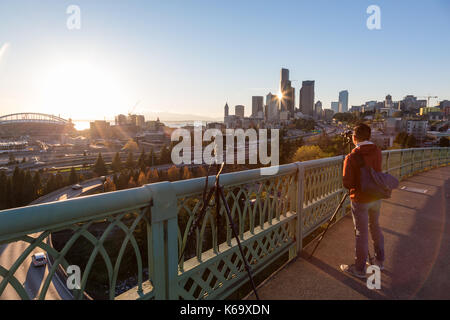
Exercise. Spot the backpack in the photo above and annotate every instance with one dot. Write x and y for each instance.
(377, 184)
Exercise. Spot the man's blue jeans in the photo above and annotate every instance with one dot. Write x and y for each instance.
(365, 218)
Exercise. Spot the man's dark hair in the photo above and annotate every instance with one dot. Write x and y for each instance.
(362, 132)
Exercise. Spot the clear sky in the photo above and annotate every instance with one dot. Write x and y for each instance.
(192, 56)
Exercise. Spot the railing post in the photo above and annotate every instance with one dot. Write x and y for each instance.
(387, 161)
(401, 165)
(300, 192)
(164, 242)
(423, 159)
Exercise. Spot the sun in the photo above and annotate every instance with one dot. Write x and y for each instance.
(280, 95)
(81, 90)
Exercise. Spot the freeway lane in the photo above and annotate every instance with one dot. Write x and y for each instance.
(30, 277)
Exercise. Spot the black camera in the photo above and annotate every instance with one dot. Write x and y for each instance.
(347, 134)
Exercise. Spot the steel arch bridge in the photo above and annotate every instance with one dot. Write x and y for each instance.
(32, 117)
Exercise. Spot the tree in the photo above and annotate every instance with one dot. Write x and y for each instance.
(142, 179)
(401, 138)
(173, 173)
(17, 187)
(131, 146)
(201, 172)
(305, 153)
(99, 166)
(51, 184)
(141, 160)
(152, 176)
(130, 162)
(344, 117)
(186, 173)
(73, 177)
(37, 187)
(164, 156)
(131, 183)
(411, 141)
(305, 124)
(27, 188)
(109, 185)
(444, 142)
(59, 181)
(116, 164)
(12, 159)
(150, 158)
(3, 182)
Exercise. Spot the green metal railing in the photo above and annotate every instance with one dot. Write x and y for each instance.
(143, 229)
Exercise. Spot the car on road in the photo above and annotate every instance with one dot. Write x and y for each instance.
(39, 259)
(76, 187)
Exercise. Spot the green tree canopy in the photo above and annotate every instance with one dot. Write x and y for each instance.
(99, 166)
(305, 153)
(116, 164)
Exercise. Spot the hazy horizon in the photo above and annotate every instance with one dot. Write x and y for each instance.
(190, 58)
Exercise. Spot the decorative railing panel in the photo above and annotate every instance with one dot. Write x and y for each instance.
(128, 243)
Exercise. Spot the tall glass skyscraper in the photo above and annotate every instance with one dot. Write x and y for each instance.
(343, 101)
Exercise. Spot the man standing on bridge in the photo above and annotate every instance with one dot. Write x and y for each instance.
(365, 207)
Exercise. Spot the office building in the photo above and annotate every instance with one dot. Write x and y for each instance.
(307, 98)
(343, 101)
(257, 105)
(272, 104)
(335, 106)
(287, 102)
(417, 128)
(318, 110)
(226, 110)
(239, 111)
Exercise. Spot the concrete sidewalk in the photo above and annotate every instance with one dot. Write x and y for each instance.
(416, 227)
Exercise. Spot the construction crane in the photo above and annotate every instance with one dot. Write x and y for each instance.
(428, 99)
(130, 112)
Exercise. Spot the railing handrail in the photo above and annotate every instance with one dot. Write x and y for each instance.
(33, 218)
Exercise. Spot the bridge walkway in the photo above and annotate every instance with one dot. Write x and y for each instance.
(416, 227)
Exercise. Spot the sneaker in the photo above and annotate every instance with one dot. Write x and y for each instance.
(352, 270)
(378, 263)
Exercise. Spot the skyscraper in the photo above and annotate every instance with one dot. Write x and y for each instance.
(318, 109)
(272, 107)
(257, 105)
(307, 98)
(343, 101)
(227, 110)
(239, 111)
(335, 106)
(288, 93)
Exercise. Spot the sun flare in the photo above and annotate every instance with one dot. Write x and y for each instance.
(82, 89)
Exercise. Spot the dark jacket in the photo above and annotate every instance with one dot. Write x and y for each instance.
(351, 179)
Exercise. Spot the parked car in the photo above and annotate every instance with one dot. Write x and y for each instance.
(76, 187)
(39, 259)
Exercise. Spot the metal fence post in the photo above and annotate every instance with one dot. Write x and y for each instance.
(300, 192)
(164, 224)
(387, 161)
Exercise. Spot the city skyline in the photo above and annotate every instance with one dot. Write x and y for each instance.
(122, 55)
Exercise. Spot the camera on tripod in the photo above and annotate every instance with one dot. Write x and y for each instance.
(347, 134)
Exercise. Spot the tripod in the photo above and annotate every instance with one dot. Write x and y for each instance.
(220, 195)
(346, 142)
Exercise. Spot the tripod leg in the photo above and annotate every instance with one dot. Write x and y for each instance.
(329, 223)
(236, 236)
(196, 221)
